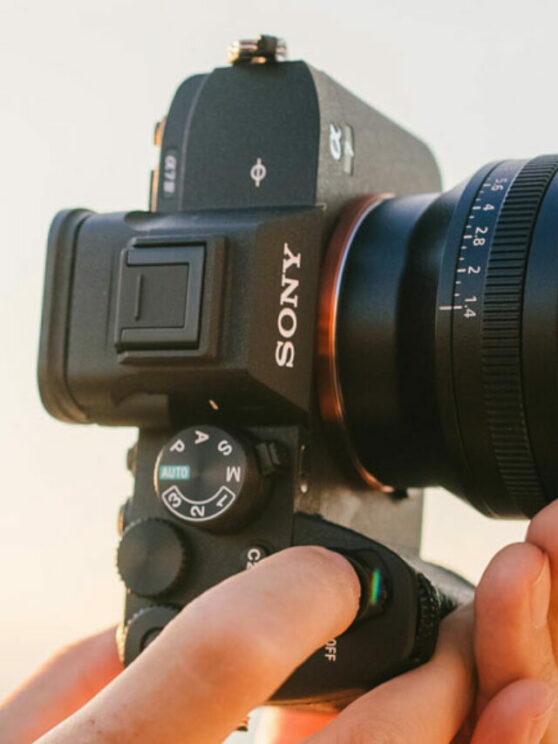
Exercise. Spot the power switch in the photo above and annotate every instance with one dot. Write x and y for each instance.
(159, 297)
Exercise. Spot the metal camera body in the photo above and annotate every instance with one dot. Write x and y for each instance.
(197, 323)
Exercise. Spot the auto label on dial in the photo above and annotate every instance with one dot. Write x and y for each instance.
(200, 473)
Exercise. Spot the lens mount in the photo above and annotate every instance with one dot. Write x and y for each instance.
(329, 387)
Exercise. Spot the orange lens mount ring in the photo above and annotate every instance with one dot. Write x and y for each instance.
(329, 386)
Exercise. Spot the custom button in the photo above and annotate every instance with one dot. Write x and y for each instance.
(374, 581)
(253, 555)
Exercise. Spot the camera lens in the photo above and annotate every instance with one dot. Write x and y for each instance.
(439, 338)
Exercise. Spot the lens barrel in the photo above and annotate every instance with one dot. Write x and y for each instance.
(446, 339)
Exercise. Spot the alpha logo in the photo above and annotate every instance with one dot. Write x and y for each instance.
(287, 319)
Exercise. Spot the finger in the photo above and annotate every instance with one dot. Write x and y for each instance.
(287, 726)
(519, 714)
(60, 687)
(425, 706)
(224, 654)
(542, 532)
(511, 603)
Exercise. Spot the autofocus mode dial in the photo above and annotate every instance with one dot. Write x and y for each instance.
(212, 479)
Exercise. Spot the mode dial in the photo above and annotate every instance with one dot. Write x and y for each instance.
(151, 557)
(212, 479)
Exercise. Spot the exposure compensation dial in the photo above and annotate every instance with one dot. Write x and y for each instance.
(212, 479)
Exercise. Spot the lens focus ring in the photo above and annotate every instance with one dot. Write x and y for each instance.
(501, 330)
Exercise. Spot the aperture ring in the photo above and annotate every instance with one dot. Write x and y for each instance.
(502, 331)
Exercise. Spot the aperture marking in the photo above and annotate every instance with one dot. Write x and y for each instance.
(475, 242)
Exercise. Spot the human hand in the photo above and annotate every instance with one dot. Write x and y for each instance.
(430, 702)
(516, 637)
(221, 657)
(60, 687)
(516, 607)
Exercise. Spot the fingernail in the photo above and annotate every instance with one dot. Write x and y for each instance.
(540, 595)
(540, 723)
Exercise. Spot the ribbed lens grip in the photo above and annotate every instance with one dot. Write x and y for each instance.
(501, 332)
(432, 608)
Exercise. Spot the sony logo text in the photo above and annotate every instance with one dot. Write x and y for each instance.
(287, 319)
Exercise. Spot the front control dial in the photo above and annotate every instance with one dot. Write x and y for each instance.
(151, 557)
(212, 479)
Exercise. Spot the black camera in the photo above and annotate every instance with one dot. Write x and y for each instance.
(288, 335)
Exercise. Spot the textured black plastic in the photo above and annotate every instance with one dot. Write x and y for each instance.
(278, 119)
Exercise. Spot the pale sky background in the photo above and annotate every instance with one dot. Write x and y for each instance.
(81, 86)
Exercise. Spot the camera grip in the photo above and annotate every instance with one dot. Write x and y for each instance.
(395, 630)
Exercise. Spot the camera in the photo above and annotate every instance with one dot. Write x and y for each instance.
(301, 320)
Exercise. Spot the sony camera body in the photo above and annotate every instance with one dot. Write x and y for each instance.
(199, 322)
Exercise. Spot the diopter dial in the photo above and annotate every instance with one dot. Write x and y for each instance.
(212, 479)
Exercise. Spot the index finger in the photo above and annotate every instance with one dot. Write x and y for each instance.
(224, 654)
